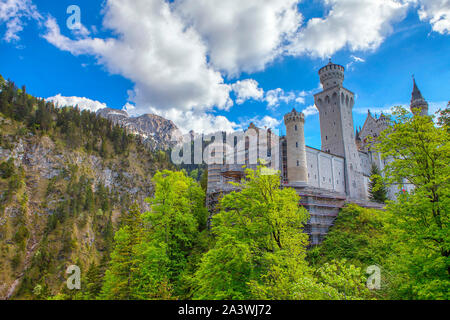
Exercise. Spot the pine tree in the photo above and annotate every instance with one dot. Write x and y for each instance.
(377, 188)
(120, 276)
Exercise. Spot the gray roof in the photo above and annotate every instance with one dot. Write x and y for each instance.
(416, 94)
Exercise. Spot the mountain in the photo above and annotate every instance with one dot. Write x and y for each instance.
(156, 131)
(67, 181)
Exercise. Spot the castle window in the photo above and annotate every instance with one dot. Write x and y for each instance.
(296, 128)
(296, 144)
(326, 138)
(298, 163)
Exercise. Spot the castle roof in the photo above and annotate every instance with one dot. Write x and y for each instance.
(416, 94)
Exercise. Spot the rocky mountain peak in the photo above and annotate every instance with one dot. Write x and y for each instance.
(156, 131)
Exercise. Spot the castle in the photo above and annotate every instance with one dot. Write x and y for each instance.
(325, 179)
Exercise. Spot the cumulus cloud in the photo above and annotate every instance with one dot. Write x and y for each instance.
(310, 111)
(198, 121)
(277, 96)
(179, 53)
(433, 107)
(266, 122)
(356, 24)
(82, 103)
(242, 35)
(246, 90)
(166, 61)
(437, 13)
(249, 90)
(14, 14)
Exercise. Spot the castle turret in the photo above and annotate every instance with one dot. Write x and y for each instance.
(335, 104)
(332, 75)
(296, 148)
(418, 102)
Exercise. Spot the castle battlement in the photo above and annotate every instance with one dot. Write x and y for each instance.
(294, 116)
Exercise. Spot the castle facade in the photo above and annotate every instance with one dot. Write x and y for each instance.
(325, 179)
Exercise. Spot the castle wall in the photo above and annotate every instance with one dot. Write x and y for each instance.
(325, 171)
(366, 163)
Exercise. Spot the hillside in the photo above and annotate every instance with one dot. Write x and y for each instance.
(66, 179)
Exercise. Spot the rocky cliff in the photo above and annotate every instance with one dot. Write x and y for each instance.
(59, 206)
(157, 132)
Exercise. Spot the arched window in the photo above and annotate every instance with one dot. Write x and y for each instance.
(296, 128)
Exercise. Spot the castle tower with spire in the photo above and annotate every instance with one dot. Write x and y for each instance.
(418, 102)
(296, 148)
(335, 104)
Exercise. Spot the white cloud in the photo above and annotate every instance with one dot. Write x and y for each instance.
(266, 122)
(433, 107)
(166, 60)
(249, 90)
(200, 122)
(14, 14)
(82, 103)
(246, 90)
(310, 111)
(177, 53)
(357, 59)
(356, 24)
(277, 96)
(242, 35)
(437, 13)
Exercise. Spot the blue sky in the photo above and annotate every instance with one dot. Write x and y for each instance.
(210, 64)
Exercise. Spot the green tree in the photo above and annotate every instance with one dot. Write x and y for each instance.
(176, 217)
(120, 276)
(194, 174)
(377, 188)
(419, 153)
(204, 179)
(444, 117)
(259, 227)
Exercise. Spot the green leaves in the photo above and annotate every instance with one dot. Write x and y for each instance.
(152, 249)
(377, 188)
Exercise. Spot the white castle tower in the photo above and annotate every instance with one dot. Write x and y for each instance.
(296, 149)
(335, 104)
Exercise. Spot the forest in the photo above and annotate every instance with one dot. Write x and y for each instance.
(255, 247)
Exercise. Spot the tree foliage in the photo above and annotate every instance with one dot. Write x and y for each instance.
(420, 153)
(260, 249)
(377, 188)
(153, 249)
